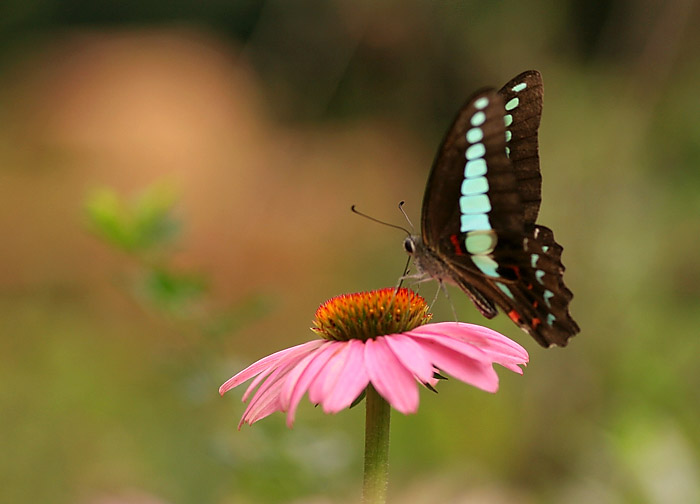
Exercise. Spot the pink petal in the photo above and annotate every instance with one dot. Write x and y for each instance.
(264, 404)
(295, 374)
(267, 394)
(483, 337)
(285, 365)
(492, 345)
(352, 380)
(328, 375)
(495, 342)
(455, 358)
(391, 379)
(266, 364)
(411, 356)
(307, 377)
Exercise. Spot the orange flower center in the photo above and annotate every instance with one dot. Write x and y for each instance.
(366, 315)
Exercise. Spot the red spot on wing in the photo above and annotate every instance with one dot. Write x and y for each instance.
(514, 316)
(455, 241)
(535, 322)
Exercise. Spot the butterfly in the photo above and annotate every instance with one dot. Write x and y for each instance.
(481, 201)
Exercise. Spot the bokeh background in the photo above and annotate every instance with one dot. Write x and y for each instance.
(175, 186)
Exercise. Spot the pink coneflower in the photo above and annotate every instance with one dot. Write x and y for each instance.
(378, 343)
(380, 338)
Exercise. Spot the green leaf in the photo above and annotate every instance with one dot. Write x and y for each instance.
(171, 291)
(139, 225)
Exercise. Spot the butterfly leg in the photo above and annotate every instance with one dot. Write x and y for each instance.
(437, 293)
(443, 287)
(418, 278)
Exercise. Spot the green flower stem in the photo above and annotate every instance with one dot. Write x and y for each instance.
(377, 421)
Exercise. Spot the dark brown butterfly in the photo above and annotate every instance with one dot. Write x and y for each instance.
(479, 210)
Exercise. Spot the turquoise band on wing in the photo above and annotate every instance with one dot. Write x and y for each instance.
(475, 168)
(475, 135)
(476, 185)
(478, 222)
(512, 103)
(481, 103)
(505, 290)
(548, 294)
(478, 119)
(477, 204)
(475, 151)
(486, 264)
(480, 242)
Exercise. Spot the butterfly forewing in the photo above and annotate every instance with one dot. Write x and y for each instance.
(479, 208)
(522, 98)
(471, 173)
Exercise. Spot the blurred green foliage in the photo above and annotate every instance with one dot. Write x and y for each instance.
(146, 228)
(136, 226)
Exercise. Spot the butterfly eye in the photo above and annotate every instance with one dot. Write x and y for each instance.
(409, 246)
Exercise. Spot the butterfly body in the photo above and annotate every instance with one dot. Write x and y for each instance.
(479, 210)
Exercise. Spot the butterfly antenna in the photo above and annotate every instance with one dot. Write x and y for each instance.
(356, 211)
(401, 204)
(408, 259)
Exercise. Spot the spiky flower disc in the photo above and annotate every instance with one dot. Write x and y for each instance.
(366, 315)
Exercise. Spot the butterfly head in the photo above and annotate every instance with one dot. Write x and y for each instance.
(410, 244)
(427, 263)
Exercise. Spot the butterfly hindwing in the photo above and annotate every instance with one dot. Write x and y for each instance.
(545, 279)
(531, 293)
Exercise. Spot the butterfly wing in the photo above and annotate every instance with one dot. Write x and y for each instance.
(522, 98)
(532, 294)
(472, 161)
(479, 208)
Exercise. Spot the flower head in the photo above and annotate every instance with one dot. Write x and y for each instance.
(379, 337)
(365, 315)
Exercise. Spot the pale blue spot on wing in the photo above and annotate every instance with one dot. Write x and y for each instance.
(475, 135)
(477, 222)
(512, 103)
(475, 168)
(548, 294)
(478, 119)
(545, 248)
(486, 264)
(519, 87)
(481, 103)
(480, 242)
(478, 204)
(509, 135)
(507, 151)
(508, 119)
(539, 274)
(550, 319)
(475, 151)
(477, 185)
(505, 290)
(533, 260)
